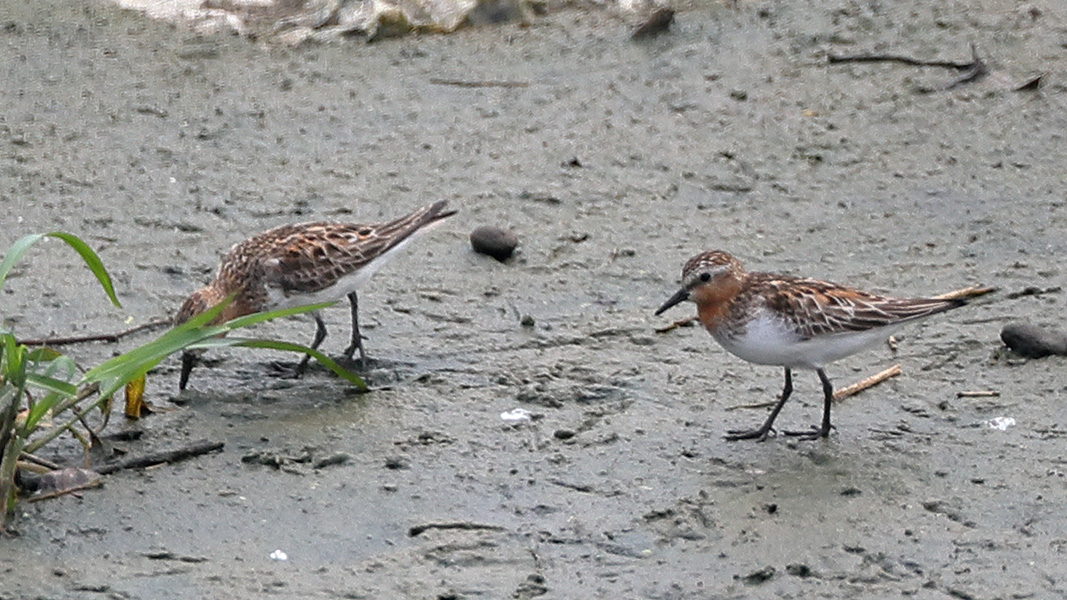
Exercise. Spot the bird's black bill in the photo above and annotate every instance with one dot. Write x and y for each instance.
(681, 296)
(188, 362)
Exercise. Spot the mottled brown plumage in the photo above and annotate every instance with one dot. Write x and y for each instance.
(791, 322)
(306, 263)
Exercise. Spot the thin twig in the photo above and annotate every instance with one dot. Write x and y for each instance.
(978, 394)
(973, 71)
(26, 456)
(101, 337)
(968, 292)
(753, 405)
(863, 384)
(56, 432)
(82, 394)
(686, 322)
(63, 492)
(167, 456)
(907, 60)
(417, 530)
(478, 84)
(32, 467)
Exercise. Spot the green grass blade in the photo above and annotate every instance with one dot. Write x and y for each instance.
(19, 248)
(287, 347)
(14, 368)
(319, 356)
(197, 333)
(170, 342)
(259, 317)
(14, 254)
(64, 363)
(39, 410)
(42, 354)
(92, 260)
(51, 384)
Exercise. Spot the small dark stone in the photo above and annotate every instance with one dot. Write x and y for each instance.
(396, 463)
(1032, 341)
(494, 241)
(798, 570)
(563, 434)
(337, 458)
(758, 577)
(531, 588)
(658, 22)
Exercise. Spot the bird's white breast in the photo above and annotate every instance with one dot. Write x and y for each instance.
(770, 340)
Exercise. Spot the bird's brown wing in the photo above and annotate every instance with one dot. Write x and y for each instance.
(309, 257)
(819, 308)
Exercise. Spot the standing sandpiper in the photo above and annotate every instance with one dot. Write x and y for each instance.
(791, 322)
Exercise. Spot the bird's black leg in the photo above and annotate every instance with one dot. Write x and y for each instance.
(188, 362)
(823, 430)
(768, 425)
(357, 339)
(320, 334)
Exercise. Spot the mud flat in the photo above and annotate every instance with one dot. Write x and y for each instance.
(613, 162)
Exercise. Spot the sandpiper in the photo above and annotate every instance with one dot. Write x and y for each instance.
(306, 263)
(795, 323)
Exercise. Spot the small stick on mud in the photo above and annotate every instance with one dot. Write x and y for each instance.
(869, 382)
(686, 322)
(1033, 290)
(978, 394)
(167, 456)
(898, 432)
(479, 84)
(63, 492)
(754, 405)
(466, 525)
(968, 292)
(101, 337)
(37, 460)
(974, 70)
(907, 60)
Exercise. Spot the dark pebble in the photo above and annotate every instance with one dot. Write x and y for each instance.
(337, 458)
(658, 22)
(494, 241)
(798, 570)
(1032, 341)
(397, 463)
(758, 577)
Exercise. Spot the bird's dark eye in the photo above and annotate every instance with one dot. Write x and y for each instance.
(705, 276)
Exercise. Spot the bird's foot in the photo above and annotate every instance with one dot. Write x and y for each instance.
(288, 370)
(811, 434)
(362, 363)
(351, 350)
(759, 435)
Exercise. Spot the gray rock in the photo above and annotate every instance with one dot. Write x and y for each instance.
(494, 241)
(1033, 341)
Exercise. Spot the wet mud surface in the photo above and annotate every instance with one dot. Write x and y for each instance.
(613, 162)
